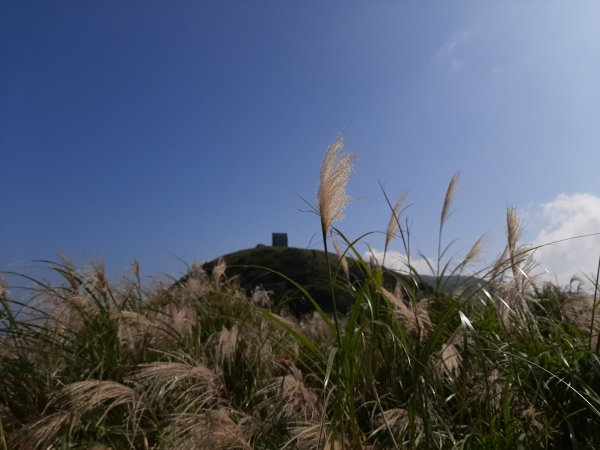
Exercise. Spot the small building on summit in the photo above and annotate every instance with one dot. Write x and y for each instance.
(280, 240)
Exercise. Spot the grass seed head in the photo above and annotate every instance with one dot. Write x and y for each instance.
(42, 434)
(449, 197)
(219, 270)
(475, 250)
(393, 224)
(211, 430)
(415, 317)
(336, 170)
(227, 344)
(261, 297)
(299, 401)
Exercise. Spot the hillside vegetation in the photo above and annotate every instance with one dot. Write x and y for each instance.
(340, 354)
(263, 267)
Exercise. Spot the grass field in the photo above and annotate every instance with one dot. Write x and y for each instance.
(369, 361)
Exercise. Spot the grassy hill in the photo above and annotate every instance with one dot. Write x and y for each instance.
(199, 364)
(269, 266)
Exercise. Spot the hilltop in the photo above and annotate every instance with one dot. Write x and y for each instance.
(271, 267)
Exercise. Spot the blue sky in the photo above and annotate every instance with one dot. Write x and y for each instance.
(185, 130)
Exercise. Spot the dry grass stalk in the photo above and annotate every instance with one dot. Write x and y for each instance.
(315, 328)
(135, 268)
(475, 251)
(335, 174)
(491, 391)
(136, 331)
(299, 401)
(85, 396)
(197, 272)
(449, 198)
(499, 267)
(69, 272)
(415, 317)
(165, 379)
(69, 314)
(287, 320)
(227, 341)
(262, 297)
(393, 224)
(219, 270)
(3, 288)
(194, 289)
(42, 434)
(578, 310)
(95, 278)
(75, 401)
(212, 430)
(100, 447)
(449, 359)
(397, 420)
(315, 435)
(342, 258)
(513, 233)
(531, 415)
(180, 317)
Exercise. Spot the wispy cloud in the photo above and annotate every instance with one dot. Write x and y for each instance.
(398, 261)
(448, 54)
(565, 217)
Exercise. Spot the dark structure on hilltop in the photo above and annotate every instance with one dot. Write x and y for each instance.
(280, 240)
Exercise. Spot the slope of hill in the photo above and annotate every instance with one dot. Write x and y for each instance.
(264, 266)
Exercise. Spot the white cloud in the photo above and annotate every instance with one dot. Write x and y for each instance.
(447, 54)
(397, 261)
(565, 217)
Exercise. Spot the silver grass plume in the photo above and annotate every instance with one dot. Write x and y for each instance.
(445, 213)
(394, 222)
(513, 233)
(449, 198)
(335, 174)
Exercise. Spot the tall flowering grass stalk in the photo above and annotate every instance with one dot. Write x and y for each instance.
(336, 170)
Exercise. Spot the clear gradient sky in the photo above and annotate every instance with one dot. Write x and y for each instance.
(184, 130)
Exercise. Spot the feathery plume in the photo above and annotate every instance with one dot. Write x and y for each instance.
(316, 435)
(162, 380)
(69, 272)
(449, 198)
(444, 216)
(197, 271)
(212, 430)
(219, 270)
(43, 433)
(182, 317)
(397, 420)
(474, 251)
(3, 288)
(448, 358)
(415, 317)
(261, 297)
(513, 233)
(335, 174)
(315, 328)
(299, 401)
(84, 396)
(227, 344)
(394, 221)
(135, 268)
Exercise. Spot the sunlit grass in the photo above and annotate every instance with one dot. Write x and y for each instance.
(501, 362)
